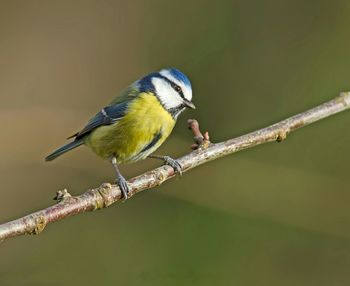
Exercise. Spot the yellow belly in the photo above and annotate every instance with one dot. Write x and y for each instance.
(145, 120)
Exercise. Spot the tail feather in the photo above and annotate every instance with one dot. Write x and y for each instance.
(64, 149)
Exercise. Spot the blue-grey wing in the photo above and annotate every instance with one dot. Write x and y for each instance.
(108, 115)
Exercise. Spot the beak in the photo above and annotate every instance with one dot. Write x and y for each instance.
(189, 104)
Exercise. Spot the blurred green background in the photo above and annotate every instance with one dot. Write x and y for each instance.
(272, 215)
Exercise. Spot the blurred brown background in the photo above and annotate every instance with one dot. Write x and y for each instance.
(273, 215)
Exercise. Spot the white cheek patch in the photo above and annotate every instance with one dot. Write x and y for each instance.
(167, 95)
(187, 91)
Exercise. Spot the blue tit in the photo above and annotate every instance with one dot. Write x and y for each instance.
(136, 122)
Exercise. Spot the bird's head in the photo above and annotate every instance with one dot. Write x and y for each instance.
(172, 88)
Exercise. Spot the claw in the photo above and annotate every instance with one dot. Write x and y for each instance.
(173, 163)
(124, 187)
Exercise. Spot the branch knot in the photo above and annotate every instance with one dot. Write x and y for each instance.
(281, 135)
(39, 224)
(104, 191)
(62, 196)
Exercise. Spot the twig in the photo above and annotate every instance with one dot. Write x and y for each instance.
(201, 141)
(108, 194)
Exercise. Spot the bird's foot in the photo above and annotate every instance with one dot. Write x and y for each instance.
(173, 163)
(124, 187)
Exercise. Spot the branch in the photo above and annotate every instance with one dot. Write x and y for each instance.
(204, 151)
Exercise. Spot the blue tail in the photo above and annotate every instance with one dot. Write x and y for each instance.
(64, 149)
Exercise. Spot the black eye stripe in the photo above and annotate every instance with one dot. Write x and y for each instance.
(174, 86)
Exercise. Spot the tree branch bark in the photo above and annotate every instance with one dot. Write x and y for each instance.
(107, 194)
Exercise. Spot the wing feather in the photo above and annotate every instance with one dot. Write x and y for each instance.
(111, 113)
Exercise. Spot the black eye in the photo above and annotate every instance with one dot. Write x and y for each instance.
(177, 88)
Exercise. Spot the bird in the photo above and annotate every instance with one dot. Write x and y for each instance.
(136, 122)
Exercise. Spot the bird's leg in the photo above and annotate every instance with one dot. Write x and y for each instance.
(120, 180)
(169, 161)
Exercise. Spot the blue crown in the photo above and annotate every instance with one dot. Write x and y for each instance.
(179, 76)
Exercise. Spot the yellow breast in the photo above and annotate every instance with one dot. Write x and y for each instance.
(139, 133)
